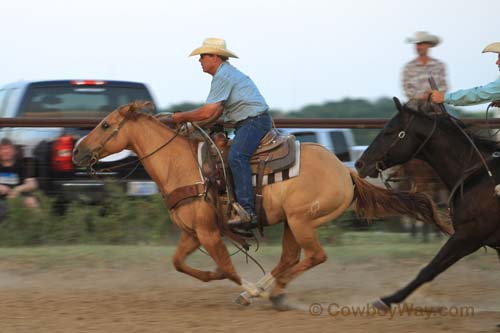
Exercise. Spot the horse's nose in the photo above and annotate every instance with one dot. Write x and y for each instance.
(359, 164)
(75, 154)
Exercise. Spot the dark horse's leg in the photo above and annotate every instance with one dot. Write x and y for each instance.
(457, 247)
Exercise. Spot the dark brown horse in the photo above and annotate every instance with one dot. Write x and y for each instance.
(450, 148)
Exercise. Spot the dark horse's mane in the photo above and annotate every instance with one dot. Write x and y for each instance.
(444, 120)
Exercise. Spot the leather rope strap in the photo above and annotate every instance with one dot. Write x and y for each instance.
(261, 219)
(180, 194)
(185, 192)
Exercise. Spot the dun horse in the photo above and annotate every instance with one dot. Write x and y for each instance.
(463, 161)
(324, 189)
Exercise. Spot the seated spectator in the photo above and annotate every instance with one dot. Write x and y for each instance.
(14, 180)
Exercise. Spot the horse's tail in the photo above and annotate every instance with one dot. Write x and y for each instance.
(372, 201)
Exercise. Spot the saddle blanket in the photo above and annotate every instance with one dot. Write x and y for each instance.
(272, 178)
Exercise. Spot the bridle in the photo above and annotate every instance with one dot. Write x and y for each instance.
(380, 165)
(95, 153)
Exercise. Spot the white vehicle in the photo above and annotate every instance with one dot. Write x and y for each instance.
(339, 141)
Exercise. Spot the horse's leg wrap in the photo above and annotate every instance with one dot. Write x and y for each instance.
(264, 283)
(250, 288)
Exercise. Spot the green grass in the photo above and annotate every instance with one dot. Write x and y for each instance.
(354, 247)
(91, 256)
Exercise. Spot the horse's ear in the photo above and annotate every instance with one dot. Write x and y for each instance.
(148, 105)
(133, 110)
(143, 105)
(398, 104)
(125, 110)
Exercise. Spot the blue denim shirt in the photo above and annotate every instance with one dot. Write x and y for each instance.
(476, 95)
(240, 95)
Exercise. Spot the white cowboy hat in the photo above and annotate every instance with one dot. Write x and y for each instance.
(215, 46)
(493, 47)
(423, 37)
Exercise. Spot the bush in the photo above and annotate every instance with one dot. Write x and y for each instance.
(23, 226)
(123, 220)
(117, 220)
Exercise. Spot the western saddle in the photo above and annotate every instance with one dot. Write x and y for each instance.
(276, 152)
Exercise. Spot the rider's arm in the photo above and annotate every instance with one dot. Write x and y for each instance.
(476, 95)
(207, 111)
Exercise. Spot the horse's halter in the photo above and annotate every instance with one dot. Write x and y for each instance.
(380, 165)
(95, 153)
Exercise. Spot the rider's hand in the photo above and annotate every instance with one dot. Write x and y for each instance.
(437, 97)
(177, 117)
(496, 104)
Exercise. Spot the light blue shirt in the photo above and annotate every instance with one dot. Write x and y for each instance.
(477, 95)
(240, 95)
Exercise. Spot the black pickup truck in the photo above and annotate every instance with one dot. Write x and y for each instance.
(48, 151)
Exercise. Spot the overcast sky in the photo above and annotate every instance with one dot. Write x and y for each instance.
(297, 52)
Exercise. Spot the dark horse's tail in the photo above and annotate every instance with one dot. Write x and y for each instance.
(372, 201)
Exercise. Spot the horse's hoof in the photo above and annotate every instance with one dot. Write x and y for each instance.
(279, 302)
(381, 305)
(243, 299)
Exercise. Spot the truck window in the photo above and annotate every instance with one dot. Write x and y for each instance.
(78, 102)
(11, 99)
(306, 137)
(340, 146)
(3, 102)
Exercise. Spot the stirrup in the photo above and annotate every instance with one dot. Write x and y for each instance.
(243, 233)
(247, 225)
(240, 217)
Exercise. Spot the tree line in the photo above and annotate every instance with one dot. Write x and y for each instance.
(345, 108)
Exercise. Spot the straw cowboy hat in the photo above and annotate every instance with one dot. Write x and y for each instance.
(493, 47)
(215, 46)
(424, 37)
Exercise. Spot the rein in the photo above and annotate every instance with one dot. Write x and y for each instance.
(483, 161)
(219, 155)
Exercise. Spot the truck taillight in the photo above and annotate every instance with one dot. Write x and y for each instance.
(88, 83)
(62, 151)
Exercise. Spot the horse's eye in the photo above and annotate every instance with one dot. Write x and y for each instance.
(105, 125)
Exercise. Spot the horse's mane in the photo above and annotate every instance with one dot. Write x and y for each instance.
(431, 111)
(137, 109)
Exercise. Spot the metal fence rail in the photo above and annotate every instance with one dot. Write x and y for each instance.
(280, 122)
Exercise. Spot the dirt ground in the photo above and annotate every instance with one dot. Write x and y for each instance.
(152, 297)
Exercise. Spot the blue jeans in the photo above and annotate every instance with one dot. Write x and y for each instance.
(249, 132)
